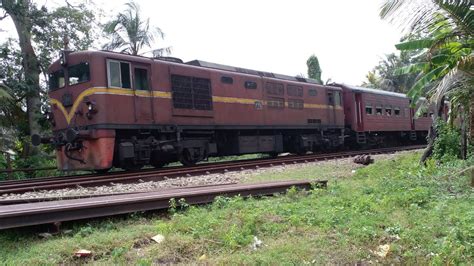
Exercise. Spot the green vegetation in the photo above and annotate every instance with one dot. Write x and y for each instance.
(424, 214)
(314, 69)
(129, 33)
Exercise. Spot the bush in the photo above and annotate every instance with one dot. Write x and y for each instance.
(447, 145)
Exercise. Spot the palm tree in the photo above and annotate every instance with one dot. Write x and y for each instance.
(442, 30)
(130, 33)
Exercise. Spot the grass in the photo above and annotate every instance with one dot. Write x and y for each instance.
(425, 215)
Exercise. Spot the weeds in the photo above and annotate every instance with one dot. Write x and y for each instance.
(421, 214)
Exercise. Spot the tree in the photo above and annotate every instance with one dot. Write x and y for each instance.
(130, 33)
(314, 70)
(384, 75)
(20, 11)
(25, 60)
(442, 31)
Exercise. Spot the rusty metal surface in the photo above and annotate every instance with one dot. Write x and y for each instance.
(33, 200)
(88, 181)
(58, 211)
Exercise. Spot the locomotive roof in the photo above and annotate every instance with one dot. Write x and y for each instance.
(375, 91)
(199, 63)
(206, 64)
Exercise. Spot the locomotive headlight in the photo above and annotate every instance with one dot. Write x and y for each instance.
(91, 109)
(50, 117)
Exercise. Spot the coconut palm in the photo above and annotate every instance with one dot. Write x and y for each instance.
(442, 30)
(130, 33)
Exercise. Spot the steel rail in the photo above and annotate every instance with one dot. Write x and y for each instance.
(56, 198)
(22, 182)
(183, 171)
(12, 216)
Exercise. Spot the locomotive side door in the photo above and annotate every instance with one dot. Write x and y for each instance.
(359, 111)
(331, 107)
(143, 94)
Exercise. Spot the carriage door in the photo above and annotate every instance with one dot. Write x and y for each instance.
(143, 99)
(359, 112)
(331, 99)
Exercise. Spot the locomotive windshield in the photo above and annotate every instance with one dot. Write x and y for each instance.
(75, 74)
(56, 80)
(78, 73)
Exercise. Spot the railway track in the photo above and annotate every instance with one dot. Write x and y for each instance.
(12, 216)
(157, 175)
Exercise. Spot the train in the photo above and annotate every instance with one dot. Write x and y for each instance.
(111, 109)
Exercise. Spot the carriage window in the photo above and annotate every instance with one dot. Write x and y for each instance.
(56, 80)
(388, 111)
(227, 80)
(78, 73)
(431, 114)
(368, 109)
(425, 114)
(141, 79)
(119, 74)
(397, 111)
(378, 110)
(250, 85)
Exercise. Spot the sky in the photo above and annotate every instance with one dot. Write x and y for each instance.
(276, 36)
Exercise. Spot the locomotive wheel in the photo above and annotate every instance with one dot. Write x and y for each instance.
(186, 159)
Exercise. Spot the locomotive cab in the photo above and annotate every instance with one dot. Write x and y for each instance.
(73, 111)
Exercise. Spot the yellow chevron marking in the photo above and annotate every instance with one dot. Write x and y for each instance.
(156, 94)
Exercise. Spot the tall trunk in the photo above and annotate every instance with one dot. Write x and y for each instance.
(462, 117)
(19, 12)
(432, 132)
(471, 132)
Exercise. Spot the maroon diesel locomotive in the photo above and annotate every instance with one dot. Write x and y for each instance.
(110, 109)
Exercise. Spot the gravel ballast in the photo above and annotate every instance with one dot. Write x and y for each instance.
(342, 168)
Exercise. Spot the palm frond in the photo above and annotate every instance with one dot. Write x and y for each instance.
(129, 32)
(420, 15)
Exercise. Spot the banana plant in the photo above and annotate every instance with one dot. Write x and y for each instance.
(442, 32)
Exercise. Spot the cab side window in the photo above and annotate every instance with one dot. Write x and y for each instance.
(331, 98)
(337, 98)
(118, 74)
(140, 79)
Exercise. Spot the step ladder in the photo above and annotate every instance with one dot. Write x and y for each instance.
(361, 138)
(412, 135)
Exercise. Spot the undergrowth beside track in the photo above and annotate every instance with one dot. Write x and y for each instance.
(423, 214)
